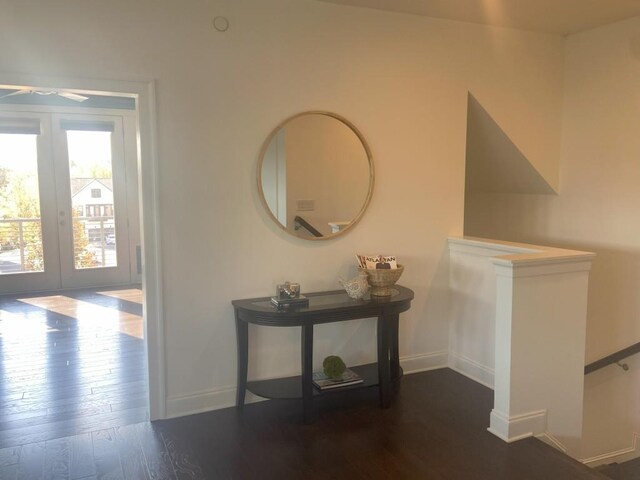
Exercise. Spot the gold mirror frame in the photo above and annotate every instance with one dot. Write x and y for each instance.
(367, 150)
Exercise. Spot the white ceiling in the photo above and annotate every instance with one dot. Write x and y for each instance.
(563, 17)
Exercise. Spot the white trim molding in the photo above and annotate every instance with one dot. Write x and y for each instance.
(424, 362)
(512, 428)
(205, 401)
(549, 439)
(471, 369)
(224, 397)
(617, 456)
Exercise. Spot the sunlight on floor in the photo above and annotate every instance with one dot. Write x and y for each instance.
(131, 294)
(14, 327)
(93, 316)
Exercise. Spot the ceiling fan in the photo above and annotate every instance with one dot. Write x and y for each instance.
(71, 96)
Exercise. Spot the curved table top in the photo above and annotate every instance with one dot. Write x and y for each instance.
(324, 307)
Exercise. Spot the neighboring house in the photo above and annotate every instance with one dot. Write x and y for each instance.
(92, 201)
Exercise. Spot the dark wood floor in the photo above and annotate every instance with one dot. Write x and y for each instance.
(70, 363)
(622, 471)
(73, 406)
(435, 430)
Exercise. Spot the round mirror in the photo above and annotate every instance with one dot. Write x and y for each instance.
(315, 175)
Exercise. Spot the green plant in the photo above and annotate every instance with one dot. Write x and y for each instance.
(333, 366)
(84, 258)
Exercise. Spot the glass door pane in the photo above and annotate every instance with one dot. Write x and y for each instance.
(92, 200)
(21, 247)
(91, 188)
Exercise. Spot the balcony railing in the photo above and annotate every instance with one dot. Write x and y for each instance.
(21, 244)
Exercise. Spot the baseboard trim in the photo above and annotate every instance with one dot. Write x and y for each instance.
(552, 441)
(424, 362)
(471, 369)
(516, 427)
(205, 401)
(224, 397)
(618, 456)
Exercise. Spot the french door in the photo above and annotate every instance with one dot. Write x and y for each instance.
(63, 201)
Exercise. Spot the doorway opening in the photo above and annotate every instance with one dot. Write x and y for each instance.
(73, 353)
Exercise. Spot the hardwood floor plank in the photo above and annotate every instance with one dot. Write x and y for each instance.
(76, 348)
(51, 361)
(182, 458)
(9, 472)
(130, 387)
(65, 428)
(106, 457)
(155, 452)
(57, 417)
(75, 384)
(9, 456)
(31, 466)
(30, 404)
(29, 376)
(81, 462)
(131, 402)
(56, 459)
(132, 459)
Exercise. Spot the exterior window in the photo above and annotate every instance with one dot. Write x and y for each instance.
(96, 193)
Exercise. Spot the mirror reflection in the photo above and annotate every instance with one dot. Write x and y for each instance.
(315, 175)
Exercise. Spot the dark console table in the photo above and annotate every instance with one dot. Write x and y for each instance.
(324, 307)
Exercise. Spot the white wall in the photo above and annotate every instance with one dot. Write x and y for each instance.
(596, 210)
(597, 205)
(403, 80)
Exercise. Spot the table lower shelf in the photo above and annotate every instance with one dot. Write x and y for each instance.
(291, 387)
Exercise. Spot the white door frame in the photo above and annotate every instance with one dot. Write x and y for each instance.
(49, 278)
(148, 199)
(72, 277)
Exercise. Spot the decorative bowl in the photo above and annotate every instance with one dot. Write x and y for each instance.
(357, 287)
(381, 280)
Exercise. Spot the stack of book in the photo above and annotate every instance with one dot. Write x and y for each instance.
(323, 382)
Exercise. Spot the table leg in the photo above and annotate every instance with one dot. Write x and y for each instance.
(242, 337)
(394, 351)
(307, 373)
(384, 377)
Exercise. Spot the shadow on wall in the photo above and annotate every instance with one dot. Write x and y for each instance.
(496, 170)
(494, 164)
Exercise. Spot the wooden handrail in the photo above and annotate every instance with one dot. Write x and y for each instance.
(301, 222)
(613, 358)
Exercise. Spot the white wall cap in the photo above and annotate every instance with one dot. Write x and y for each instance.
(521, 255)
(464, 243)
